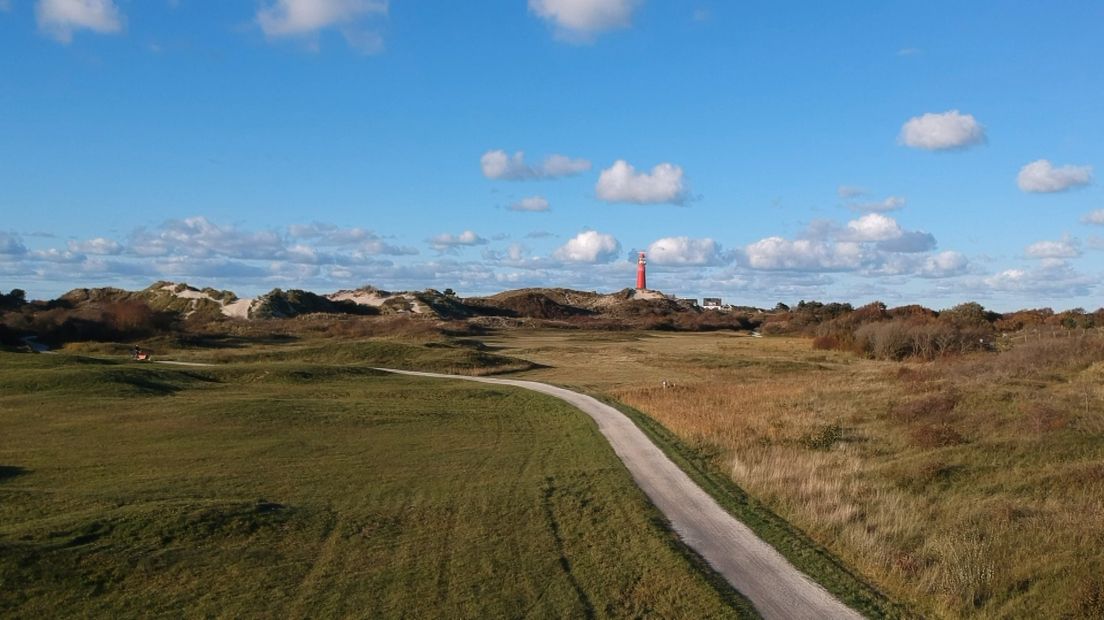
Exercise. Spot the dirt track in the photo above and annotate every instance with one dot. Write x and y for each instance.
(754, 568)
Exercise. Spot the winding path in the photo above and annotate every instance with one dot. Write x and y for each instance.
(754, 568)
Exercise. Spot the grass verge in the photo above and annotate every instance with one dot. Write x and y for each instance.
(805, 554)
(281, 489)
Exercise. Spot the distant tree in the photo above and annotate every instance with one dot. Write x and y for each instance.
(781, 307)
(14, 299)
(450, 293)
(970, 314)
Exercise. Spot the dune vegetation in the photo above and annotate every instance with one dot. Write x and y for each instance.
(971, 485)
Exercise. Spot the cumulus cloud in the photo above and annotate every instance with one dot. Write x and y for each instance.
(54, 255)
(530, 203)
(516, 255)
(944, 264)
(502, 166)
(98, 246)
(199, 237)
(299, 18)
(589, 246)
(892, 203)
(777, 253)
(684, 251)
(578, 21)
(873, 227)
(1066, 247)
(622, 183)
(930, 266)
(447, 241)
(1041, 176)
(61, 18)
(1052, 278)
(1094, 217)
(561, 166)
(941, 132)
(363, 241)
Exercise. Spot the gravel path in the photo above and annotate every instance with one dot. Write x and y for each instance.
(754, 568)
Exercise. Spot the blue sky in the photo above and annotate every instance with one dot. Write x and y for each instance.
(910, 152)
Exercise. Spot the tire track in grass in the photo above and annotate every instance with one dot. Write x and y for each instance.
(298, 608)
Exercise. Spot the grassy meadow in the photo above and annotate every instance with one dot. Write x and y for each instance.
(964, 487)
(313, 486)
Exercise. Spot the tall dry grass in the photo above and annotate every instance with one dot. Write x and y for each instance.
(969, 486)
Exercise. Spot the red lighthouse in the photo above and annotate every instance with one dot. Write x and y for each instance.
(641, 277)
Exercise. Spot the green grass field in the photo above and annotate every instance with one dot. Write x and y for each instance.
(279, 488)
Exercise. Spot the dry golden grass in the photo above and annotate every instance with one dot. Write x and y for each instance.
(968, 487)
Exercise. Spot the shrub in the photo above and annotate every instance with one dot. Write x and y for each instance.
(823, 438)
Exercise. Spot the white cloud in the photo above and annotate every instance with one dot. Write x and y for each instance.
(303, 18)
(1094, 217)
(622, 183)
(1066, 247)
(589, 246)
(850, 191)
(61, 18)
(944, 264)
(1053, 278)
(530, 203)
(499, 165)
(364, 241)
(1041, 177)
(562, 166)
(776, 253)
(516, 255)
(298, 17)
(54, 255)
(891, 203)
(684, 251)
(448, 241)
(578, 21)
(873, 227)
(99, 246)
(199, 238)
(941, 132)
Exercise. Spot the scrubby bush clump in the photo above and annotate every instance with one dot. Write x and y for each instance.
(908, 332)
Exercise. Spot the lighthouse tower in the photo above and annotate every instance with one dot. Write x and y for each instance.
(641, 276)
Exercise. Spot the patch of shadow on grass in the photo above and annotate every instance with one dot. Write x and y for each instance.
(565, 564)
(12, 471)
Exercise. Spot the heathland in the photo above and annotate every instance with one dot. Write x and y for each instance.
(944, 464)
(967, 486)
